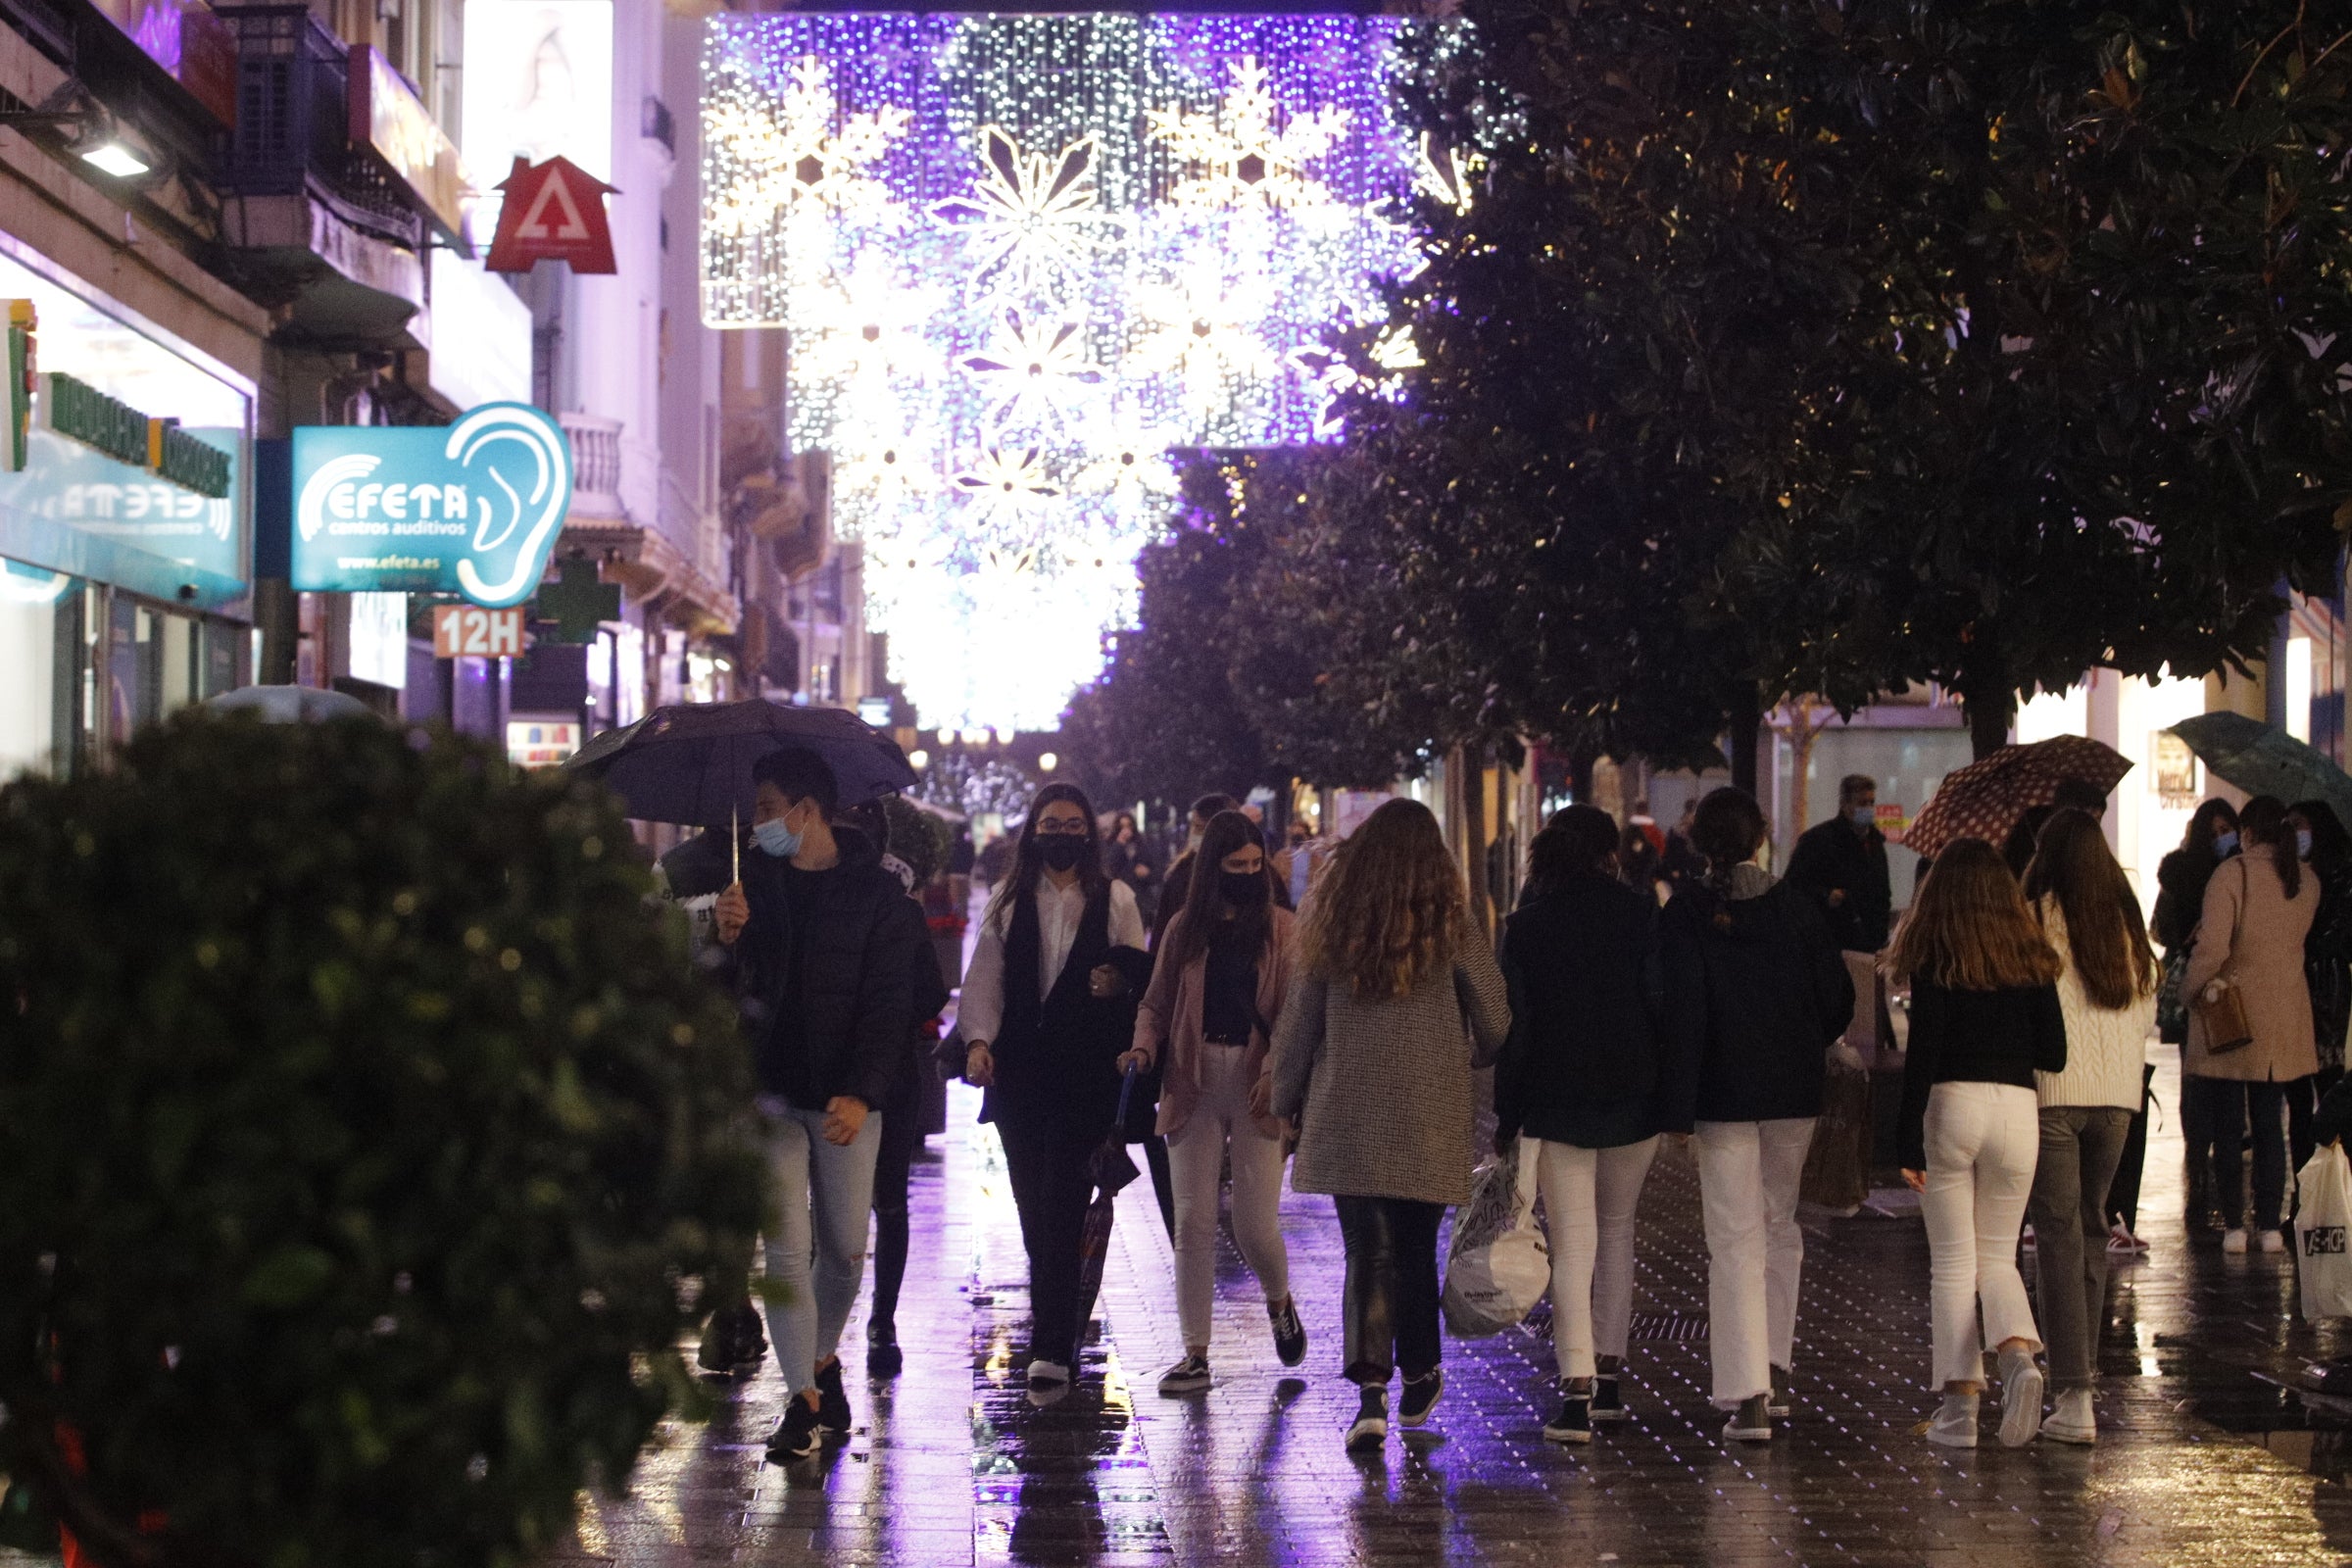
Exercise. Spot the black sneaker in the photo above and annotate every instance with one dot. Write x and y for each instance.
(1574, 1423)
(1782, 1402)
(1608, 1404)
(1188, 1376)
(1751, 1422)
(1420, 1397)
(1290, 1335)
(732, 1342)
(798, 1435)
(832, 1401)
(883, 1357)
(1370, 1428)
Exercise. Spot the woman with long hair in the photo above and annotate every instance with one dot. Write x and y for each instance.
(1047, 1008)
(1756, 992)
(2107, 996)
(2210, 839)
(1585, 1075)
(2258, 911)
(1217, 987)
(1984, 1019)
(2327, 850)
(1371, 1064)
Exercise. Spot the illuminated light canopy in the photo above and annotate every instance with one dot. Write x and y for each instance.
(1020, 258)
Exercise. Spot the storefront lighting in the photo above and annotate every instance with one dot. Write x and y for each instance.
(116, 159)
(918, 760)
(1048, 762)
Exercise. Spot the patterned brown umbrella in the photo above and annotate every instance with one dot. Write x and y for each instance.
(1985, 799)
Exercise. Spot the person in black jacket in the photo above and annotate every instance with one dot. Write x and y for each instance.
(1756, 992)
(1842, 863)
(2181, 878)
(1584, 1073)
(1048, 1006)
(1985, 1018)
(823, 956)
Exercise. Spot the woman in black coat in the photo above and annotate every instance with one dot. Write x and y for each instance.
(1756, 992)
(1584, 1074)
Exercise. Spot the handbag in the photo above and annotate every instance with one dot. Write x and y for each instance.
(2221, 1005)
(1836, 1171)
(1498, 1266)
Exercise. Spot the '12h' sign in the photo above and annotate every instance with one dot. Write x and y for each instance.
(468, 631)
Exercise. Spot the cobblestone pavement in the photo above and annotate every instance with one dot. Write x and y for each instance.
(2200, 1460)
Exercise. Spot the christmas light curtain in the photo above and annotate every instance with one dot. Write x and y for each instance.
(1020, 257)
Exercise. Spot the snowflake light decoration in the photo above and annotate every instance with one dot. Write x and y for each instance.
(1021, 258)
(1250, 153)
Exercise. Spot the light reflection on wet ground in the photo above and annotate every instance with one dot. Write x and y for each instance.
(2200, 1462)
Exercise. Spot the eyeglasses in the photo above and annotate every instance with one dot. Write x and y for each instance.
(1061, 829)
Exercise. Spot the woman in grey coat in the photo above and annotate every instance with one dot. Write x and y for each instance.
(1395, 1000)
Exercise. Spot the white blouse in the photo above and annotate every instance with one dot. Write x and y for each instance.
(981, 1011)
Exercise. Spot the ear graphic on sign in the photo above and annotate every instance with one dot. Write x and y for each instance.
(508, 445)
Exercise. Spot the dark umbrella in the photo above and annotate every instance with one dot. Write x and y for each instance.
(1985, 799)
(1111, 1169)
(2264, 759)
(691, 764)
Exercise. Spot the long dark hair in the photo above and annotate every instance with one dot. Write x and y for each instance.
(1204, 905)
(1021, 883)
(1728, 830)
(1577, 841)
(2104, 931)
(2201, 831)
(2263, 821)
(2331, 845)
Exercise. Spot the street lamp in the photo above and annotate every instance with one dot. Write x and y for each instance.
(918, 760)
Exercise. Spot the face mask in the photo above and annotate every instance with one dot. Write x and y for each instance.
(2223, 844)
(2302, 843)
(1061, 851)
(1864, 816)
(1191, 841)
(774, 838)
(1243, 889)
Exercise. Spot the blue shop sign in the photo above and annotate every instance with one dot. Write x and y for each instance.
(472, 509)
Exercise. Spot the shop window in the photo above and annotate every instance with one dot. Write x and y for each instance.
(42, 659)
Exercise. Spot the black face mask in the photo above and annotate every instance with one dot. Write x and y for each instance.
(1242, 888)
(1061, 851)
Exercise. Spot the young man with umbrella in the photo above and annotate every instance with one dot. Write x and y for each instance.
(822, 965)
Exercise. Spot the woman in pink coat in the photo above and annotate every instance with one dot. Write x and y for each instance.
(1216, 990)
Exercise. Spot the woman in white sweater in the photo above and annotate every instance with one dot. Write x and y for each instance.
(2108, 994)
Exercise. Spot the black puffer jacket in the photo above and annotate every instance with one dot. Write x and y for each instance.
(1756, 991)
(1582, 1062)
(855, 992)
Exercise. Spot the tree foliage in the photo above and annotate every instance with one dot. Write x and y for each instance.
(359, 1123)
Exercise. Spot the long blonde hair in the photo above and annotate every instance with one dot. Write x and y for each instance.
(1390, 909)
(1969, 929)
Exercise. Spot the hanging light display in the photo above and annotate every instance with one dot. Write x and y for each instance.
(1020, 257)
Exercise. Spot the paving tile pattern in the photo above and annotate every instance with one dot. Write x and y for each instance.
(2201, 1460)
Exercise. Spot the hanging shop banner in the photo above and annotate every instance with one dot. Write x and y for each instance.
(552, 213)
(472, 509)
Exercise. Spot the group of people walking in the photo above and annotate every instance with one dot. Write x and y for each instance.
(1341, 1041)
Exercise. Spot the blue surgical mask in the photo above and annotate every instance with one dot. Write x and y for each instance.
(2302, 843)
(1864, 817)
(774, 838)
(2223, 844)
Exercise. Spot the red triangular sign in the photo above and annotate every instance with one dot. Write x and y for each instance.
(554, 211)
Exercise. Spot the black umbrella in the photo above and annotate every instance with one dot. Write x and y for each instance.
(691, 764)
(1112, 1168)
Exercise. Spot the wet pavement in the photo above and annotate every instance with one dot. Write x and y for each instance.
(2200, 1460)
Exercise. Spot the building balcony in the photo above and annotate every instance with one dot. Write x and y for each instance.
(631, 513)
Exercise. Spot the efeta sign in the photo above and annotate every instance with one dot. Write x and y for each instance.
(472, 510)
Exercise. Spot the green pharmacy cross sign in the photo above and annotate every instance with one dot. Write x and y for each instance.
(470, 510)
(578, 603)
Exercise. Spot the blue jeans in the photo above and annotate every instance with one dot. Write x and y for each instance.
(823, 1193)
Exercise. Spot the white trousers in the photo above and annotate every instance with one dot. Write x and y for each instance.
(1748, 1179)
(1589, 1196)
(1220, 1121)
(1983, 1141)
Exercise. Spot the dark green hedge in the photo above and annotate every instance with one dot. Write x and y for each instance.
(362, 1133)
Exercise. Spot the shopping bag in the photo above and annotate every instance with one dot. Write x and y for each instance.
(2324, 1192)
(1498, 1266)
(1836, 1173)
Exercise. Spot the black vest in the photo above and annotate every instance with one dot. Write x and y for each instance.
(1056, 1052)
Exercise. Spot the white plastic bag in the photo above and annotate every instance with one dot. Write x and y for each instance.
(1498, 1266)
(2322, 1222)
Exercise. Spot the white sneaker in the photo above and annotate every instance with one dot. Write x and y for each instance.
(1954, 1425)
(2073, 1420)
(2021, 1399)
(2272, 1242)
(1044, 1374)
(2234, 1241)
